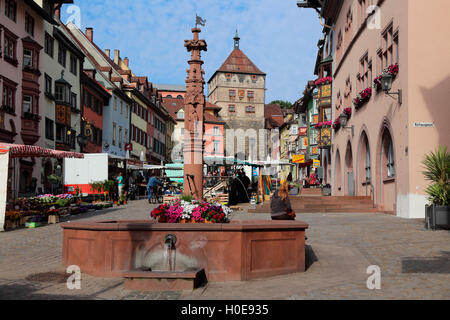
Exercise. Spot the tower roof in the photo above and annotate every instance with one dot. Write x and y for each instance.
(238, 62)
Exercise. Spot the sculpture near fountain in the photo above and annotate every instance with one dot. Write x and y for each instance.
(194, 106)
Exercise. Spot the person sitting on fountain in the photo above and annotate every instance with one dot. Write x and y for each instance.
(153, 182)
(280, 205)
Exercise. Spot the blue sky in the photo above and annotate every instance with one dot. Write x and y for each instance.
(280, 38)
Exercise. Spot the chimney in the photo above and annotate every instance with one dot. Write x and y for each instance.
(116, 56)
(108, 53)
(126, 61)
(90, 34)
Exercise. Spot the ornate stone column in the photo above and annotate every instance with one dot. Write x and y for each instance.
(194, 106)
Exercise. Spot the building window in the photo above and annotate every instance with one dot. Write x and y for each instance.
(294, 130)
(59, 92)
(216, 146)
(114, 134)
(232, 93)
(128, 111)
(121, 107)
(367, 162)
(396, 48)
(73, 64)
(216, 131)
(388, 47)
(9, 94)
(48, 84)
(62, 52)
(231, 108)
(73, 100)
(29, 24)
(390, 159)
(49, 44)
(10, 9)
(250, 109)
(253, 78)
(250, 94)
(365, 72)
(120, 137)
(27, 58)
(27, 106)
(180, 114)
(60, 133)
(49, 134)
(10, 47)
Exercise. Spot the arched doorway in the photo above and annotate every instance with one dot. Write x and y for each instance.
(338, 174)
(349, 175)
(386, 171)
(364, 176)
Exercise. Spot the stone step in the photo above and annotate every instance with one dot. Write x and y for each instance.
(144, 280)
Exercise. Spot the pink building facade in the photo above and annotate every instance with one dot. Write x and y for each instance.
(380, 151)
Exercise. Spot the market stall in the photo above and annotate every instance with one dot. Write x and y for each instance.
(31, 206)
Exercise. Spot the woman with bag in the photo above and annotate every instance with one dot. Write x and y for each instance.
(280, 205)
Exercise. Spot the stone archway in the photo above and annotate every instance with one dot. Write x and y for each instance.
(364, 171)
(349, 185)
(338, 174)
(386, 170)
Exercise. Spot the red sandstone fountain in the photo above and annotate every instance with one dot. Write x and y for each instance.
(167, 256)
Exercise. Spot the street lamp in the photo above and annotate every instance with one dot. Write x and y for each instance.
(386, 85)
(82, 141)
(343, 119)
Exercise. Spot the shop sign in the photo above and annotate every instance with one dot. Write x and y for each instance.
(316, 163)
(298, 158)
(302, 131)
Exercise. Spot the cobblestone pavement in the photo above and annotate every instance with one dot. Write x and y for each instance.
(414, 262)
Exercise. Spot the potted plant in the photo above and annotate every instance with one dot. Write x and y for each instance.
(326, 189)
(437, 170)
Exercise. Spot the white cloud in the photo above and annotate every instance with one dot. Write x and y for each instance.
(277, 36)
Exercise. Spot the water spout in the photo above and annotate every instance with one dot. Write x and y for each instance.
(169, 252)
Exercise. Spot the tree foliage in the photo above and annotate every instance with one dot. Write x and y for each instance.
(283, 104)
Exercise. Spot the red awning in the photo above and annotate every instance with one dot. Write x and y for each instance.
(24, 151)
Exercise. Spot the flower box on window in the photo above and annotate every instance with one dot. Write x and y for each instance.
(324, 80)
(362, 97)
(323, 125)
(348, 112)
(392, 69)
(337, 124)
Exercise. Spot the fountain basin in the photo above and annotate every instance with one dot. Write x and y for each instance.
(240, 250)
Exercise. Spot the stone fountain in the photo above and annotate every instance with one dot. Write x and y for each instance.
(153, 256)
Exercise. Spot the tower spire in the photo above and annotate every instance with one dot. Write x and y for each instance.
(236, 40)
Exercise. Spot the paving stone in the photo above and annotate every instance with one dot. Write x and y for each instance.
(414, 262)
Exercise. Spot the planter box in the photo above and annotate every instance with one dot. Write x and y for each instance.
(53, 219)
(326, 191)
(437, 216)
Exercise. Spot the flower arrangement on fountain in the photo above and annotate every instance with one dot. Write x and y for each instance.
(323, 80)
(180, 211)
(392, 69)
(362, 97)
(323, 124)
